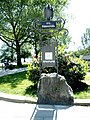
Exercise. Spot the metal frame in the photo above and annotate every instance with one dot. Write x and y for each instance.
(48, 31)
(59, 26)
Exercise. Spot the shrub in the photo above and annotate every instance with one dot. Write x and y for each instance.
(33, 74)
(73, 69)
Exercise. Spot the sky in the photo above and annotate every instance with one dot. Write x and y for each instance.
(79, 9)
(81, 20)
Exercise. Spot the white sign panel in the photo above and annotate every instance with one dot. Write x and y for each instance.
(48, 55)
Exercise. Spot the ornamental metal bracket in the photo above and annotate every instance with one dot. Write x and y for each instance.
(50, 27)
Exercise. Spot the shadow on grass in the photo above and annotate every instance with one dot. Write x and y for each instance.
(13, 79)
(31, 90)
(79, 87)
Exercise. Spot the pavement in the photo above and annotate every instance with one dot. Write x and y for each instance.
(4, 72)
(44, 112)
(26, 111)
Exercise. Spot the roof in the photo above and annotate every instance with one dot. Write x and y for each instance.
(86, 57)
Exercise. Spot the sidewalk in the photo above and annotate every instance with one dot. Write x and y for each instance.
(78, 111)
(24, 111)
(4, 72)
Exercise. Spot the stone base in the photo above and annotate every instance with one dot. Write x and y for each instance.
(62, 101)
(54, 89)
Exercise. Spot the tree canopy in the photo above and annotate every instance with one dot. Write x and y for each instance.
(85, 39)
(16, 20)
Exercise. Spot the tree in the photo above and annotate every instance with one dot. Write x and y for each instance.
(16, 20)
(85, 39)
(15, 24)
(26, 51)
(9, 54)
(6, 53)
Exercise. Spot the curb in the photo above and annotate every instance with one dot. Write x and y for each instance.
(17, 99)
(82, 102)
(24, 99)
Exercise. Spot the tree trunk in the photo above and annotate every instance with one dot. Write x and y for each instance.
(18, 55)
(12, 53)
(36, 51)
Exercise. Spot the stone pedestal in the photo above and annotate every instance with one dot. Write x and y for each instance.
(54, 89)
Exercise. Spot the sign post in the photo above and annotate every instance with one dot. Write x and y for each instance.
(49, 43)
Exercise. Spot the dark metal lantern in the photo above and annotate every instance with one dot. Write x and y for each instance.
(48, 12)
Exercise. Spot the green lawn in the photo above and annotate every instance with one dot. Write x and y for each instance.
(18, 84)
(14, 84)
(87, 78)
(84, 94)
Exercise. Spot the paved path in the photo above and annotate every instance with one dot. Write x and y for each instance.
(4, 72)
(25, 111)
(16, 111)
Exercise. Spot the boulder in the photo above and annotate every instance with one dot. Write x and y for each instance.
(53, 89)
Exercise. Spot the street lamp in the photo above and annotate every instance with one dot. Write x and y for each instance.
(48, 12)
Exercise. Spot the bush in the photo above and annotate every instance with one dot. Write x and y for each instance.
(73, 69)
(33, 74)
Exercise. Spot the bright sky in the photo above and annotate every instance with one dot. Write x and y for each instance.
(80, 10)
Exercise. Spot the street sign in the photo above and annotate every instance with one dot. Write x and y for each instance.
(48, 56)
(49, 24)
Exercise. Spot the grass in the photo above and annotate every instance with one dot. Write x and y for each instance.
(18, 84)
(86, 93)
(82, 94)
(14, 84)
(87, 79)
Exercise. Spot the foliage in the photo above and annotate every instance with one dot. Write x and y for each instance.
(16, 21)
(9, 54)
(85, 39)
(14, 24)
(6, 53)
(73, 69)
(33, 74)
(26, 51)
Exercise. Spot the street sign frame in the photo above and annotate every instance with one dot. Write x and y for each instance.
(48, 24)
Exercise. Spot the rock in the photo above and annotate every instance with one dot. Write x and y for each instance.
(54, 89)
